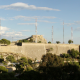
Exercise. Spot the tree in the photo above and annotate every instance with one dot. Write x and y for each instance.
(1, 58)
(39, 42)
(74, 53)
(64, 55)
(20, 41)
(4, 41)
(1, 42)
(22, 64)
(10, 58)
(25, 41)
(31, 40)
(50, 60)
(3, 69)
(49, 42)
(70, 41)
(23, 61)
(49, 64)
(57, 42)
(30, 61)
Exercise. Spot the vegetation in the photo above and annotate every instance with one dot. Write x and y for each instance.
(4, 41)
(57, 42)
(72, 53)
(1, 59)
(25, 41)
(39, 42)
(70, 41)
(52, 67)
(49, 42)
(24, 64)
(10, 58)
(50, 60)
(50, 49)
(31, 40)
(3, 69)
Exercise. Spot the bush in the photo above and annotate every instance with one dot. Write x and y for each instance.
(29, 68)
(51, 60)
(10, 58)
(57, 42)
(39, 42)
(74, 53)
(25, 41)
(3, 69)
(49, 42)
(23, 59)
(30, 61)
(70, 41)
(64, 55)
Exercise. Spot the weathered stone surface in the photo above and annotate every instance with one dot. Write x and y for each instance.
(36, 50)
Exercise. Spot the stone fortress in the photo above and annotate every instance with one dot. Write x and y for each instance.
(39, 38)
(36, 50)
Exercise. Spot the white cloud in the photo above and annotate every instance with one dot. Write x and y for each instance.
(49, 17)
(4, 28)
(33, 17)
(26, 23)
(25, 30)
(21, 6)
(77, 22)
(45, 21)
(13, 34)
(69, 24)
(25, 17)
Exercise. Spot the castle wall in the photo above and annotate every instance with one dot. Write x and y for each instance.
(36, 50)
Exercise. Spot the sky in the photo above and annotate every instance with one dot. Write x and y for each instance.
(18, 19)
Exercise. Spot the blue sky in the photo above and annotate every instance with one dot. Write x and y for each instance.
(18, 19)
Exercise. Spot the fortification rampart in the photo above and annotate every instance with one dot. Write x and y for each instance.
(36, 50)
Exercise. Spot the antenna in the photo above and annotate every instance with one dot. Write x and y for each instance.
(52, 34)
(63, 32)
(36, 29)
(0, 28)
(71, 33)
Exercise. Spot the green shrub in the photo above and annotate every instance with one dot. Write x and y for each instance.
(57, 42)
(74, 53)
(10, 58)
(3, 69)
(64, 55)
(39, 42)
(49, 42)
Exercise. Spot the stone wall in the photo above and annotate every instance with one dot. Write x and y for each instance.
(36, 50)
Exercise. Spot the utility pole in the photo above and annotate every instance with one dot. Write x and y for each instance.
(52, 34)
(36, 29)
(63, 32)
(0, 28)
